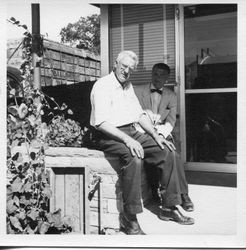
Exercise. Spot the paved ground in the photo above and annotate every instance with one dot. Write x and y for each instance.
(215, 213)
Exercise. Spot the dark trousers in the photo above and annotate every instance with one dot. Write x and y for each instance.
(172, 176)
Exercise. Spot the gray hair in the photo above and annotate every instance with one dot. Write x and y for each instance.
(129, 53)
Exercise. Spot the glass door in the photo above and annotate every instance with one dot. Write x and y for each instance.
(209, 86)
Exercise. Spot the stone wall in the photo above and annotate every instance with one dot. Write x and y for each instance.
(106, 204)
(104, 212)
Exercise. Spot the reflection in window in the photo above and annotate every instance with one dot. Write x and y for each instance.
(211, 127)
(211, 72)
(210, 46)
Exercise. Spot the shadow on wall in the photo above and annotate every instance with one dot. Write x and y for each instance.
(76, 97)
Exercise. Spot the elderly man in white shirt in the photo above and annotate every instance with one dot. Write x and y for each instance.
(115, 110)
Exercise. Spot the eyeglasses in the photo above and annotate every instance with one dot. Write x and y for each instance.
(125, 67)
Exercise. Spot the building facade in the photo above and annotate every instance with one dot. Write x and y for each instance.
(199, 43)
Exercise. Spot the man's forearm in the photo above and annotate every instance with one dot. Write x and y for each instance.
(113, 132)
(147, 125)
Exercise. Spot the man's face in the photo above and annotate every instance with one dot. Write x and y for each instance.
(124, 68)
(159, 77)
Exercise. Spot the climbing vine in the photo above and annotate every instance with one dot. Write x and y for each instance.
(28, 185)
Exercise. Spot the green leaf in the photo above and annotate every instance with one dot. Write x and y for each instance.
(64, 106)
(11, 207)
(68, 221)
(16, 201)
(47, 191)
(15, 143)
(28, 187)
(33, 155)
(15, 223)
(9, 193)
(35, 143)
(33, 214)
(29, 230)
(10, 229)
(12, 92)
(26, 166)
(24, 26)
(13, 110)
(24, 201)
(17, 185)
(22, 215)
(31, 119)
(13, 19)
(19, 135)
(43, 227)
(18, 157)
(15, 157)
(33, 201)
(70, 112)
(55, 218)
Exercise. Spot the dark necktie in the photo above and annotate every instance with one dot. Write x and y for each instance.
(156, 90)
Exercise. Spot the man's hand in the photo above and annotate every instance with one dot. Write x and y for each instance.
(161, 141)
(135, 147)
(155, 118)
(158, 139)
(169, 144)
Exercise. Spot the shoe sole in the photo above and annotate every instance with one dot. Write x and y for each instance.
(179, 222)
(123, 230)
(188, 210)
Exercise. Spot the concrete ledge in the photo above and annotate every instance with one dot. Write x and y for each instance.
(80, 157)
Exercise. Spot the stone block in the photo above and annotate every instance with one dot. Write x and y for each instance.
(115, 206)
(110, 221)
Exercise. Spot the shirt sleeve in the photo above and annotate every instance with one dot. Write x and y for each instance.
(100, 104)
(164, 129)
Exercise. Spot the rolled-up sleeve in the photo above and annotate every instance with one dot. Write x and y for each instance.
(100, 105)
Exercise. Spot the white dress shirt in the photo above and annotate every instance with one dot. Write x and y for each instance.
(155, 100)
(163, 129)
(111, 103)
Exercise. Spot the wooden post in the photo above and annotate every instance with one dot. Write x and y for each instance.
(36, 44)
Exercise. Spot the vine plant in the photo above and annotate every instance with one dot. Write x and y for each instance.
(28, 188)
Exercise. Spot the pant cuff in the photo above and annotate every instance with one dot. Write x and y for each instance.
(169, 200)
(133, 209)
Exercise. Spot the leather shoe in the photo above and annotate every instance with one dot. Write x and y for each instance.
(130, 227)
(187, 204)
(173, 214)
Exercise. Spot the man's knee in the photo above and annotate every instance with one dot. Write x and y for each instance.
(131, 163)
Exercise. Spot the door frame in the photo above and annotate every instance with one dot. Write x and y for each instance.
(180, 80)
